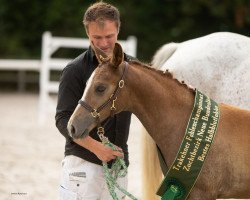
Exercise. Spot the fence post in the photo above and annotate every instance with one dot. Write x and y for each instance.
(44, 76)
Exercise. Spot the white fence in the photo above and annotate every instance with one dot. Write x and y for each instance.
(50, 45)
(21, 66)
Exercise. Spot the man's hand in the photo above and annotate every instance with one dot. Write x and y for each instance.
(103, 152)
(106, 154)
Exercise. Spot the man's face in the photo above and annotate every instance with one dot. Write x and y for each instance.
(103, 35)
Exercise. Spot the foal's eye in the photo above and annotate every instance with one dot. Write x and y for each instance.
(100, 88)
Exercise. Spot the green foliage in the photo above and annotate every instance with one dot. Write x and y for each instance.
(153, 22)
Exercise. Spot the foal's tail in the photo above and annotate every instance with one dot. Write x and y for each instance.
(163, 54)
(152, 174)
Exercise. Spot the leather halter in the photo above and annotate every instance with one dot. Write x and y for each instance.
(96, 112)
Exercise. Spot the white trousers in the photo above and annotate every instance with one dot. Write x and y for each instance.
(83, 180)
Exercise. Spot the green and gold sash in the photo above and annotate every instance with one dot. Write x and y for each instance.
(198, 138)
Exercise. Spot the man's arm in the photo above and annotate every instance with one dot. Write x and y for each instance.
(104, 153)
(69, 93)
(123, 121)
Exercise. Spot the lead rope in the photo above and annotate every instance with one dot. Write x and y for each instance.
(118, 169)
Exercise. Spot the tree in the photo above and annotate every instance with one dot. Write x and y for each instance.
(153, 22)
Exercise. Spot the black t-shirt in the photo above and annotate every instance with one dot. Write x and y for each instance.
(72, 85)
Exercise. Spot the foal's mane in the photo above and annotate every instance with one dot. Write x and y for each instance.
(162, 73)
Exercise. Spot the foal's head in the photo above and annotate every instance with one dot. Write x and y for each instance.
(103, 94)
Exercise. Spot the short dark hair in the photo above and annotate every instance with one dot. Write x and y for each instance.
(100, 11)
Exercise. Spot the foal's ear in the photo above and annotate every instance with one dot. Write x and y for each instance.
(100, 54)
(118, 55)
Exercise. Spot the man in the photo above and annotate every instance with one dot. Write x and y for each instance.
(82, 175)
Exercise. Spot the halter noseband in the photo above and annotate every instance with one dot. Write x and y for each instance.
(96, 112)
